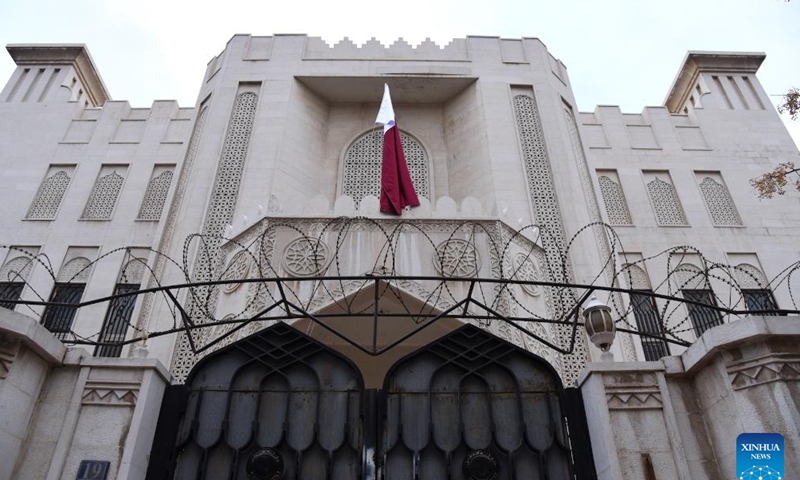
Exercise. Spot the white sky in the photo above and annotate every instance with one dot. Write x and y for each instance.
(618, 52)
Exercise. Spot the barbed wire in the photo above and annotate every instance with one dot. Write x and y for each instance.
(331, 287)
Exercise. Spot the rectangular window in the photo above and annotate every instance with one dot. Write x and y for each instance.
(702, 317)
(58, 319)
(118, 316)
(10, 291)
(648, 321)
(760, 299)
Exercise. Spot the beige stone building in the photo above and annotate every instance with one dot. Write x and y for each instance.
(328, 340)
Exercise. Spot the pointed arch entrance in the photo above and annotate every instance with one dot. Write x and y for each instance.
(280, 405)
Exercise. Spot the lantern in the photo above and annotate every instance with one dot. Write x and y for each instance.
(599, 324)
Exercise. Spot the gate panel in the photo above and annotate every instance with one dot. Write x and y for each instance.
(280, 406)
(274, 405)
(472, 406)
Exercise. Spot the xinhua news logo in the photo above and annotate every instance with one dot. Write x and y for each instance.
(759, 456)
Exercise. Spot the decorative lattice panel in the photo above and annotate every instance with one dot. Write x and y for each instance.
(155, 196)
(720, 204)
(306, 257)
(592, 205)
(749, 277)
(614, 198)
(456, 258)
(103, 198)
(237, 269)
(172, 217)
(691, 277)
(220, 211)
(665, 202)
(16, 270)
(76, 270)
(133, 271)
(636, 277)
(526, 270)
(45, 205)
(541, 187)
(362, 166)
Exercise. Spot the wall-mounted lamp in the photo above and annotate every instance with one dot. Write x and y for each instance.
(600, 326)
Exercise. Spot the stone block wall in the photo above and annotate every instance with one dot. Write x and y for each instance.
(680, 417)
(59, 406)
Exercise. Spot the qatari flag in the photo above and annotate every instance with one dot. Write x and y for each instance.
(397, 191)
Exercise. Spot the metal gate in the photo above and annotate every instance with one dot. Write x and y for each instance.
(280, 405)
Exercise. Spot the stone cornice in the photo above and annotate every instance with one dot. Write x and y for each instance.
(698, 61)
(27, 330)
(745, 331)
(75, 55)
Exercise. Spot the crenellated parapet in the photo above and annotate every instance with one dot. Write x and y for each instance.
(118, 123)
(655, 128)
(455, 51)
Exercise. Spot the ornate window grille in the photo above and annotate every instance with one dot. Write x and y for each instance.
(649, 321)
(362, 166)
(614, 198)
(12, 280)
(702, 317)
(104, 197)
(58, 319)
(155, 196)
(666, 205)
(118, 316)
(760, 299)
(10, 292)
(48, 198)
(720, 204)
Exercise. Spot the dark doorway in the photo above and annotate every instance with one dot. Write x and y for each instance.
(280, 405)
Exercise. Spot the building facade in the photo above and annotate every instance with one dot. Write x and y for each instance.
(259, 205)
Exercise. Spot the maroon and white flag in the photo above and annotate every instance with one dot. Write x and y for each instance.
(397, 190)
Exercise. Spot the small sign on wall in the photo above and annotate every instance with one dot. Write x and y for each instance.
(93, 470)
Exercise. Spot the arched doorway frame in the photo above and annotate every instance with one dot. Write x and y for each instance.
(565, 407)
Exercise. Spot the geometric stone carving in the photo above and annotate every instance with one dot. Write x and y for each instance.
(76, 270)
(219, 213)
(306, 257)
(600, 233)
(749, 277)
(764, 370)
(361, 174)
(527, 271)
(48, 199)
(17, 269)
(547, 212)
(666, 205)
(172, 214)
(634, 399)
(720, 204)
(155, 196)
(636, 392)
(103, 198)
(229, 175)
(614, 198)
(8, 352)
(636, 276)
(110, 393)
(132, 272)
(237, 269)
(689, 277)
(456, 258)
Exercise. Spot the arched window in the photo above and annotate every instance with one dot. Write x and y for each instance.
(362, 166)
